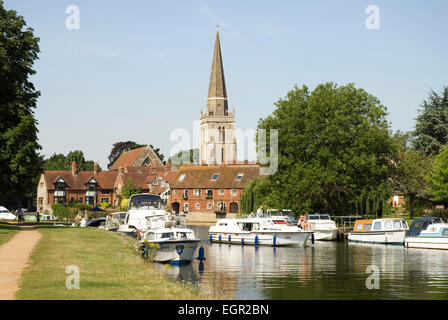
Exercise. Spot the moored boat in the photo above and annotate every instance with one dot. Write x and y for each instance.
(383, 231)
(427, 233)
(323, 227)
(172, 240)
(273, 231)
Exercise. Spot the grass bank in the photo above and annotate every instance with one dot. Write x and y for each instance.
(109, 269)
(7, 231)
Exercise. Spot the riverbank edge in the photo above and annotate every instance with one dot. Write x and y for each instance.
(153, 283)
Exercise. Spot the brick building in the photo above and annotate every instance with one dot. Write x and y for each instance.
(210, 188)
(64, 186)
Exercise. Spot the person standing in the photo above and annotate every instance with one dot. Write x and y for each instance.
(260, 212)
(38, 217)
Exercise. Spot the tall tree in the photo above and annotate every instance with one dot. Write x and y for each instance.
(438, 177)
(411, 169)
(431, 129)
(20, 162)
(333, 150)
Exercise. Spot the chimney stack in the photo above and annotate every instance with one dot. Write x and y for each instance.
(95, 168)
(73, 168)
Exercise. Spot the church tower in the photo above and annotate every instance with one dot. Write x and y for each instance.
(218, 143)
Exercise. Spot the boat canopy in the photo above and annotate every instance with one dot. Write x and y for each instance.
(318, 216)
(421, 224)
(145, 201)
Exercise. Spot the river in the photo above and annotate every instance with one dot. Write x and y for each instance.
(325, 270)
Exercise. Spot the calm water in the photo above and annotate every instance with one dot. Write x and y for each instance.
(326, 270)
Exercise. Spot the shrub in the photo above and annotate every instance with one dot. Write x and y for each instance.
(124, 204)
(60, 211)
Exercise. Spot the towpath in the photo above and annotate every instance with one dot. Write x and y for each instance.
(14, 257)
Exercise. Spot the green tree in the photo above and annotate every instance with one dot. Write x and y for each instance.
(410, 174)
(333, 150)
(438, 177)
(61, 162)
(129, 189)
(178, 159)
(20, 163)
(431, 129)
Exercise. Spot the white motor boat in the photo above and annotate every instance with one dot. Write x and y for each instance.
(384, 231)
(323, 227)
(6, 214)
(140, 207)
(273, 231)
(428, 233)
(170, 239)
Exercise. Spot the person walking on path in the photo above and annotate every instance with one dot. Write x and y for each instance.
(19, 215)
(37, 217)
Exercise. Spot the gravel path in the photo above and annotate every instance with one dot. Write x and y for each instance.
(14, 256)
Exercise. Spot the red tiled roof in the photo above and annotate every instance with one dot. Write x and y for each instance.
(105, 179)
(127, 158)
(200, 176)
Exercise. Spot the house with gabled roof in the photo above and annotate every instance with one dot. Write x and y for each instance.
(65, 186)
(140, 157)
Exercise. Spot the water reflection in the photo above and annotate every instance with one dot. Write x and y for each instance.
(327, 270)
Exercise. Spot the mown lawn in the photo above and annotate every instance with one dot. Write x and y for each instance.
(108, 265)
(7, 231)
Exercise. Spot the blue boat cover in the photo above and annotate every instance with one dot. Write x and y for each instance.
(421, 224)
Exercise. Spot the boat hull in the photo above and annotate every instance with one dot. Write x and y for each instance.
(426, 242)
(325, 235)
(263, 238)
(175, 251)
(381, 237)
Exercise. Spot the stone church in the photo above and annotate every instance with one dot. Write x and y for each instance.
(218, 143)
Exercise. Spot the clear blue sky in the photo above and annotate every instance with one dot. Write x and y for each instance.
(137, 70)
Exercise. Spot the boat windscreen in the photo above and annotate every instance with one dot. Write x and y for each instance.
(145, 201)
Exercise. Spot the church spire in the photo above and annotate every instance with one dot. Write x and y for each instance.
(217, 95)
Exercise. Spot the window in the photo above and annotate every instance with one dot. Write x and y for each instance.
(368, 226)
(239, 176)
(197, 206)
(405, 224)
(105, 191)
(388, 225)
(41, 201)
(185, 207)
(209, 194)
(175, 191)
(105, 200)
(233, 192)
(209, 206)
(377, 225)
(221, 192)
(181, 177)
(445, 232)
(397, 224)
(359, 226)
(215, 177)
(197, 192)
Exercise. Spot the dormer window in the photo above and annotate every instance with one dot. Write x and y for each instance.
(215, 177)
(239, 176)
(181, 177)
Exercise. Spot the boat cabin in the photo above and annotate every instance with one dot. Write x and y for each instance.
(318, 216)
(174, 234)
(421, 224)
(372, 225)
